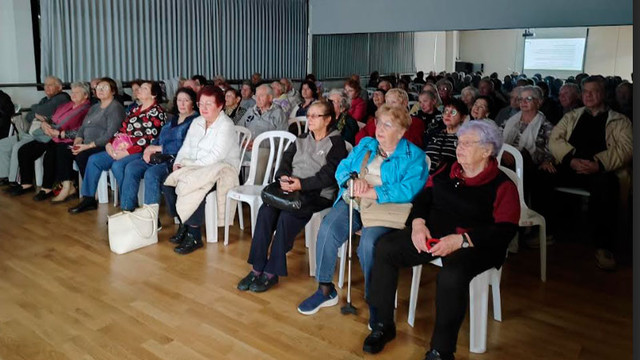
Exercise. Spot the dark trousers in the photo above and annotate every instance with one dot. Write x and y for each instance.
(30, 152)
(396, 250)
(286, 225)
(83, 157)
(195, 220)
(64, 162)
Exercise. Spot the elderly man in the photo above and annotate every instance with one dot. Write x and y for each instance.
(292, 94)
(43, 109)
(591, 145)
(487, 88)
(569, 97)
(508, 111)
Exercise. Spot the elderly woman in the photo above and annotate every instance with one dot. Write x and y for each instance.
(429, 114)
(357, 106)
(247, 92)
(211, 138)
(280, 97)
(469, 95)
(481, 108)
(392, 170)
(473, 209)
(345, 124)
(232, 108)
(309, 93)
(57, 131)
(138, 129)
(431, 88)
(308, 166)
(441, 147)
(157, 158)
(377, 100)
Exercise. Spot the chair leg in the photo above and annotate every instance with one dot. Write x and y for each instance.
(310, 240)
(39, 170)
(254, 206)
(543, 250)
(141, 193)
(413, 297)
(103, 188)
(478, 309)
(211, 217)
(495, 277)
(342, 251)
(227, 219)
(114, 188)
(240, 216)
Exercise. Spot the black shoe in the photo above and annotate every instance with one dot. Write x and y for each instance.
(379, 337)
(188, 245)
(247, 281)
(41, 195)
(19, 190)
(179, 235)
(4, 182)
(433, 354)
(11, 186)
(87, 203)
(263, 283)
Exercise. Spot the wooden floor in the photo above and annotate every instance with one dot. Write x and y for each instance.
(64, 295)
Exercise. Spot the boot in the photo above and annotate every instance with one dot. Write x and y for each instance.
(66, 193)
(192, 241)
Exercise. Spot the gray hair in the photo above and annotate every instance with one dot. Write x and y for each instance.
(86, 89)
(345, 104)
(266, 87)
(573, 86)
(55, 79)
(429, 94)
(471, 89)
(536, 91)
(487, 131)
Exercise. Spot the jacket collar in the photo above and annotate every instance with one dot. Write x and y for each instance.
(488, 174)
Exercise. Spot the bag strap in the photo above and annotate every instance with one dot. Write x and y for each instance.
(365, 161)
(149, 210)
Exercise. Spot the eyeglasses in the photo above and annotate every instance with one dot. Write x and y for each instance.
(387, 125)
(466, 144)
(207, 104)
(316, 116)
(452, 112)
(102, 87)
(526, 99)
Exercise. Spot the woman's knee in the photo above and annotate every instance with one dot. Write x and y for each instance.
(452, 278)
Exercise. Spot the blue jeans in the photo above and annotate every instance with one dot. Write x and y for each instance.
(153, 175)
(102, 162)
(334, 231)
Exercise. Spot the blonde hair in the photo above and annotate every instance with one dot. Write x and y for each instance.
(401, 94)
(398, 115)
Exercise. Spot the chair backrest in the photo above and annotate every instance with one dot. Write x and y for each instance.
(518, 176)
(279, 141)
(244, 137)
(348, 146)
(428, 160)
(299, 121)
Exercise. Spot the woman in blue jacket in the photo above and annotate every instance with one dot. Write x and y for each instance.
(396, 170)
(165, 148)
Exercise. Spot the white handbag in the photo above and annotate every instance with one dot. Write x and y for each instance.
(129, 231)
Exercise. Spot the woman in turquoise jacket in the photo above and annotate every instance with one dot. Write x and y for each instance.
(396, 171)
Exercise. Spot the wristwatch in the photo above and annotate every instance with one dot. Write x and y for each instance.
(465, 241)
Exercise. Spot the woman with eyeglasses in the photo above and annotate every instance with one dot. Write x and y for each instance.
(211, 138)
(441, 147)
(308, 166)
(473, 209)
(391, 170)
(137, 130)
(157, 159)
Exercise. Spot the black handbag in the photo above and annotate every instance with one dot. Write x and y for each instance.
(158, 158)
(273, 195)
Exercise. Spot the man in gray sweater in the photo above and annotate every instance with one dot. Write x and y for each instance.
(45, 107)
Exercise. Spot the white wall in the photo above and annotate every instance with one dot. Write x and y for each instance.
(430, 51)
(609, 50)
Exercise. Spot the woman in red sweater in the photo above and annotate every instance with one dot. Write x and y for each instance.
(358, 108)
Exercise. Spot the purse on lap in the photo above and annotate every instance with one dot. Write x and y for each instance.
(273, 195)
(131, 230)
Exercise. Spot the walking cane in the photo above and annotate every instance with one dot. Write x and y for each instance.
(348, 308)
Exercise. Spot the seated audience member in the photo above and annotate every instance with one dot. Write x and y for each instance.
(481, 108)
(419, 79)
(292, 94)
(232, 106)
(497, 102)
(374, 80)
(377, 100)
(211, 138)
(256, 79)
(396, 98)
(157, 159)
(570, 97)
(309, 95)
(432, 88)
(135, 86)
(364, 94)
(191, 84)
(429, 114)
(9, 146)
(319, 85)
(395, 170)
(549, 107)
(469, 95)
(403, 85)
(441, 146)
(508, 111)
(57, 131)
(357, 106)
(344, 123)
(308, 166)
(473, 209)
(200, 82)
(445, 90)
(624, 99)
(385, 85)
(7, 110)
(247, 93)
(265, 115)
(138, 129)
(280, 98)
(590, 144)
(220, 82)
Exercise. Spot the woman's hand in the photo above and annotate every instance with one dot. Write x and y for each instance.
(78, 148)
(360, 186)
(447, 245)
(150, 150)
(41, 118)
(176, 166)
(419, 235)
(290, 184)
(110, 150)
(548, 167)
(120, 154)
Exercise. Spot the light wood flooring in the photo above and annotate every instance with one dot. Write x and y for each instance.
(64, 295)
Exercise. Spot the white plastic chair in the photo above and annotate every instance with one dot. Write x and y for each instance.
(211, 201)
(300, 121)
(39, 170)
(528, 217)
(250, 192)
(103, 184)
(478, 303)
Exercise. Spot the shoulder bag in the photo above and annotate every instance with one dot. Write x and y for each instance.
(131, 230)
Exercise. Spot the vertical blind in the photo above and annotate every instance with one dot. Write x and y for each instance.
(346, 54)
(128, 39)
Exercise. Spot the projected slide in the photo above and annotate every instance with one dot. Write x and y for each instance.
(554, 54)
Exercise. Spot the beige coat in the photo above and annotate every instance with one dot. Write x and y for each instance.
(193, 183)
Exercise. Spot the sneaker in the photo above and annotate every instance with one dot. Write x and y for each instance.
(605, 259)
(379, 337)
(316, 301)
(433, 354)
(246, 282)
(263, 283)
